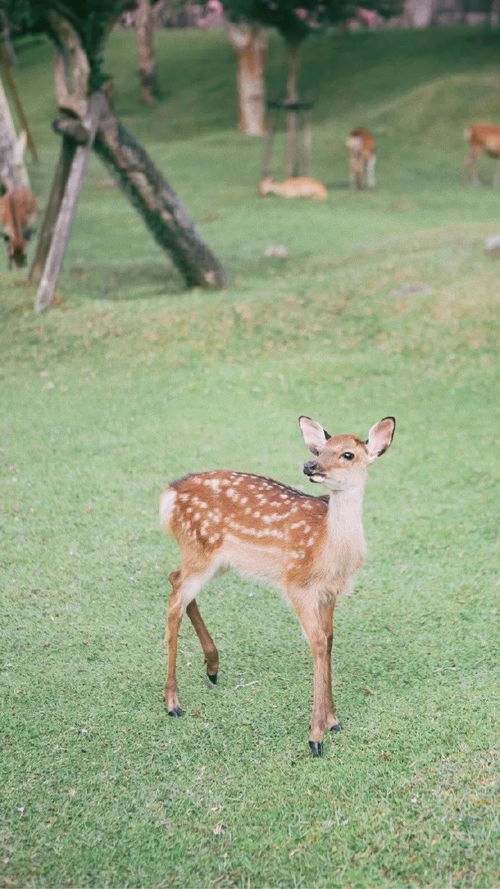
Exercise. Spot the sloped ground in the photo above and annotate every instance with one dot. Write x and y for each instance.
(386, 305)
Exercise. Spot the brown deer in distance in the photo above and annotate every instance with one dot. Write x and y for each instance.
(482, 138)
(18, 210)
(294, 187)
(308, 547)
(362, 158)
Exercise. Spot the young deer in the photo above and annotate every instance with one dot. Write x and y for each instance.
(309, 547)
(295, 187)
(362, 158)
(484, 137)
(18, 210)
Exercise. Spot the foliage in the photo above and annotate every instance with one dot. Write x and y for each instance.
(91, 19)
(386, 304)
(295, 19)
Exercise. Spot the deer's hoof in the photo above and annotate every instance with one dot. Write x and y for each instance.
(213, 678)
(337, 727)
(316, 748)
(176, 712)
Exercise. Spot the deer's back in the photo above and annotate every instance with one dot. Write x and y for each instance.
(242, 518)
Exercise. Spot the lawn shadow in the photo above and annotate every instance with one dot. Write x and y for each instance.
(129, 280)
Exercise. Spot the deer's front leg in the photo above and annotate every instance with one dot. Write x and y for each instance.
(317, 623)
(326, 615)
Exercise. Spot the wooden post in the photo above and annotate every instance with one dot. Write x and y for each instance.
(292, 115)
(268, 152)
(22, 119)
(63, 169)
(306, 141)
(13, 172)
(67, 207)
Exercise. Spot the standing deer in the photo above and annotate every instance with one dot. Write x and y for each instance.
(308, 547)
(362, 158)
(294, 187)
(18, 209)
(484, 137)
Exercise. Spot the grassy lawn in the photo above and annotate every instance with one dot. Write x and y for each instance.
(386, 305)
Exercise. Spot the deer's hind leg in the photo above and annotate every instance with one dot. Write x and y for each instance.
(186, 584)
(206, 641)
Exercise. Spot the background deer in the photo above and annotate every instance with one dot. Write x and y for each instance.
(295, 187)
(308, 547)
(362, 158)
(18, 210)
(484, 137)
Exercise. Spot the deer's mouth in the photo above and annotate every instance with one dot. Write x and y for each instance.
(312, 472)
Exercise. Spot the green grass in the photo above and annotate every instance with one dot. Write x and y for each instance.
(386, 305)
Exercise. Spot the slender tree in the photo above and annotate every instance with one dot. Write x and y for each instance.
(145, 45)
(249, 41)
(295, 20)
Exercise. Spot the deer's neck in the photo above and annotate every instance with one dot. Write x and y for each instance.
(346, 539)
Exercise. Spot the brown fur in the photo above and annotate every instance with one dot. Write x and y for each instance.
(362, 158)
(308, 547)
(294, 187)
(18, 210)
(482, 138)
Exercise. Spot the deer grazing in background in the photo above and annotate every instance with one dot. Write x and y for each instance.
(18, 210)
(295, 187)
(362, 158)
(484, 137)
(308, 547)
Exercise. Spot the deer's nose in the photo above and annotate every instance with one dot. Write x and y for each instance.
(310, 467)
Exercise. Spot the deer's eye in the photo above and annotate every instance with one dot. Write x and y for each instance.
(347, 455)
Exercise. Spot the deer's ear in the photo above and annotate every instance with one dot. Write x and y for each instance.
(314, 434)
(380, 437)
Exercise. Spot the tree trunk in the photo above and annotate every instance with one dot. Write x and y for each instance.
(249, 42)
(145, 46)
(418, 13)
(292, 95)
(158, 204)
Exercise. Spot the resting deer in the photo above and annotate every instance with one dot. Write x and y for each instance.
(295, 187)
(484, 137)
(362, 158)
(308, 547)
(18, 209)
